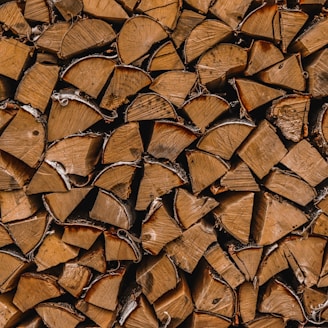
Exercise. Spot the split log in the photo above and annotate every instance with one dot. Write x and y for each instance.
(267, 322)
(320, 225)
(200, 319)
(108, 10)
(94, 258)
(199, 5)
(37, 11)
(314, 302)
(5, 238)
(10, 315)
(247, 301)
(69, 9)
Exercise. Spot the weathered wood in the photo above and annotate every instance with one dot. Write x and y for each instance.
(267, 322)
(247, 301)
(108, 10)
(199, 5)
(37, 10)
(200, 319)
(5, 238)
(10, 315)
(94, 258)
(68, 8)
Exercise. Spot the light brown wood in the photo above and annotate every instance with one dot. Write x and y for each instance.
(69, 8)
(247, 301)
(10, 315)
(8, 109)
(108, 10)
(201, 6)
(199, 319)
(323, 280)
(313, 301)
(267, 322)
(5, 238)
(94, 258)
(37, 10)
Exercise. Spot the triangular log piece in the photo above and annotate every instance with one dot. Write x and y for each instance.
(213, 73)
(316, 70)
(252, 94)
(289, 186)
(54, 251)
(77, 73)
(187, 21)
(165, 12)
(169, 139)
(108, 10)
(291, 22)
(62, 204)
(124, 144)
(260, 49)
(204, 36)
(320, 225)
(79, 154)
(312, 39)
(94, 258)
(210, 320)
(279, 299)
(176, 304)
(130, 41)
(189, 208)
(156, 276)
(149, 106)
(204, 109)
(211, 294)
(10, 315)
(263, 140)
(231, 12)
(165, 58)
(98, 294)
(74, 278)
(273, 219)
(305, 258)
(125, 82)
(37, 11)
(38, 287)
(234, 214)
(201, 6)
(129, 5)
(225, 137)
(117, 213)
(28, 233)
(158, 180)
(158, 229)
(204, 169)
(37, 84)
(220, 262)
(5, 238)
(69, 9)
(175, 86)
(266, 322)
(313, 301)
(103, 318)
(301, 158)
(58, 315)
(247, 259)
(247, 301)
(187, 250)
(28, 145)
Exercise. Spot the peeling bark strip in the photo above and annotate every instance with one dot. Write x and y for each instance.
(163, 163)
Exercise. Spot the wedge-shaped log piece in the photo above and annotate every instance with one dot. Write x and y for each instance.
(117, 213)
(94, 258)
(27, 145)
(257, 52)
(129, 5)
(28, 233)
(320, 131)
(187, 21)
(204, 169)
(220, 63)
(98, 294)
(314, 301)
(234, 214)
(54, 251)
(187, 250)
(165, 58)
(225, 137)
(77, 153)
(16, 205)
(37, 85)
(266, 322)
(10, 315)
(176, 304)
(274, 219)
(204, 109)
(124, 144)
(317, 69)
(231, 12)
(323, 280)
(305, 258)
(149, 106)
(301, 158)
(5, 238)
(125, 82)
(164, 11)
(290, 186)
(174, 85)
(78, 73)
(201, 6)
(57, 315)
(263, 140)
(189, 209)
(37, 11)
(158, 228)
(103, 318)
(211, 294)
(312, 39)
(158, 180)
(169, 139)
(320, 225)
(69, 9)
(247, 301)
(62, 204)
(117, 178)
(279, 299)
(220, 262)
(34, 288)
(253, 94)
(210, 320)
(204, 36)
(131, 43)
(107, 10)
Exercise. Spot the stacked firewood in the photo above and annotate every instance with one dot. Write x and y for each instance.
(163, 163)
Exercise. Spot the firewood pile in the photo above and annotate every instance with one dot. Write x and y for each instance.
(163, 163)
